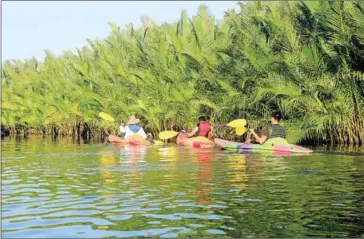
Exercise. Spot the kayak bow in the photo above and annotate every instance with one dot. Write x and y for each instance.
(132, 140)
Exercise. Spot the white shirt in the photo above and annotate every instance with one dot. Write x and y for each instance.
(128, 132)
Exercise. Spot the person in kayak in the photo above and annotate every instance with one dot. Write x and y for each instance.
(132, 128)
(203, 128)
(273, 131)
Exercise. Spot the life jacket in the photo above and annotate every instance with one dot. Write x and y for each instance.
(133, 129)
(204, 128)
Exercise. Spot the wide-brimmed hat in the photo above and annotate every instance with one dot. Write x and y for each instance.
(133, 120)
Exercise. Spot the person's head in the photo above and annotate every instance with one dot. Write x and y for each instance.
(276, 116)
(133, 120)
(203, 118)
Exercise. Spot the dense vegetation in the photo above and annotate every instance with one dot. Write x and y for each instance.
(304, 58)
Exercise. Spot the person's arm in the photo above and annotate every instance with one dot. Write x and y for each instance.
(210, 135)
(142, 133)
(122, 128)
(261, 139)
(193, 132)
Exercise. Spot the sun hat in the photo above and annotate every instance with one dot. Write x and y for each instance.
(133, 120)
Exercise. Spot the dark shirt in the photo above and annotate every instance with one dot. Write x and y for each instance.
(277, 131)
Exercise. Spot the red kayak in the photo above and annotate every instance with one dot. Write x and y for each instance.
(132, 140)
(196, 142)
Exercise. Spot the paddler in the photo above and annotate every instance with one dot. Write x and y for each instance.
(203, 128)
(273, 131)
(132, 128)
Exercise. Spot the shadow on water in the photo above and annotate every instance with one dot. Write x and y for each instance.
(71, 188)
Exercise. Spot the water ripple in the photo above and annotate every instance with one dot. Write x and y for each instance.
(169, 191)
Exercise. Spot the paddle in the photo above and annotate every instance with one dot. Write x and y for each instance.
(238, 124)
(158, 142)
(167, 134)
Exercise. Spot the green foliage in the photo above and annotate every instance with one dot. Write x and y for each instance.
(304, 58)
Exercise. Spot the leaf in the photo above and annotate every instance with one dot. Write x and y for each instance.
(121, 71)
(7, 105)
(106, 117)
(3, 120)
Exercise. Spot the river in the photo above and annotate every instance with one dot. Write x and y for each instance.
(62, 189)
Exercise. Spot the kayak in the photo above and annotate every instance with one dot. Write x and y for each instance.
(196, 142)
(275, 144)
(226, 144)
(132, 140)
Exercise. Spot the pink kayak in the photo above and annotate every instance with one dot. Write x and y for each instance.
(132, 140)
(196, 142)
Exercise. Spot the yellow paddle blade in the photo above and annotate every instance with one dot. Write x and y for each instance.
(158, 142)
(236, 123)
(202, 139)
(240, 130)
(106, 117)
(167, 134)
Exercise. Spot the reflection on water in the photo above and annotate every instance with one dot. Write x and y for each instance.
(61, 189)
(237, 171)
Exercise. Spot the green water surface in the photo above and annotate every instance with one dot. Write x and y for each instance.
(62, 189)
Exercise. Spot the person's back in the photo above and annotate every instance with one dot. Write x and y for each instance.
(132, 128)
(204, 128)
(275, 131)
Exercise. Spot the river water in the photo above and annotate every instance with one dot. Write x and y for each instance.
(61, 189)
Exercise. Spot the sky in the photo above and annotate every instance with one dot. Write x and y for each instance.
(30, 27)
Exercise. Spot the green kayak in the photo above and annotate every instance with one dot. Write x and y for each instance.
(277, 145)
